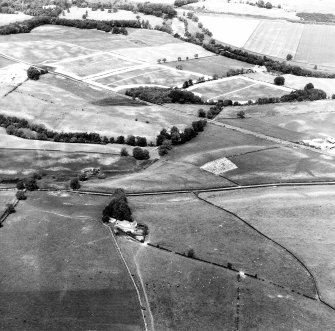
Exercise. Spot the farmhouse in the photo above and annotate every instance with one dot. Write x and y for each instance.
(130, 228)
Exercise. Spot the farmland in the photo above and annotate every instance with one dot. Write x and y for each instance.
(276, 38)
(240, 233)
(323, 51)
(11, 18)
(60, 260)
(238, 89)
(242, 27)
(303, 219)
(214, 65)
(153, 75)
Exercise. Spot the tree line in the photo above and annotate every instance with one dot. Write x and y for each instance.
(180, 3)
(166, 139)
(159, 95)
(22, 128)
(113, 26)
(270, 64)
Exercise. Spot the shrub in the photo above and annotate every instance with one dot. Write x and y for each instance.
(289, 57)
(141, 153)
(120, 140)
(74, 184)
(30, 184)
(20, 195)
(10, 208)
(201, 113)
(190, 253)
(309, 86)
(279, 80)
(241, 114)
(20, 185)
(124, 152)
(33, 73)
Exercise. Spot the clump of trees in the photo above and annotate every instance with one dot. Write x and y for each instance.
(317, 17)
(166, 139)
(34, 73)
(75, 184)
(160, 95)
(117, 208)
(29, 184)
(279, 81)
(20, 195)
(180, 3)
(141, 153)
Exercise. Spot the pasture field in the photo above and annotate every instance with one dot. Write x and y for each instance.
(60, 270)
(155, 75)
(161, 176)
(12, 18)
(297, 82)
(270, 128)
(298, 218)
(257, 90)
(217, 236)
(317, 45)
(93, 64)
(212, 65)
(230, 30)
(217, 142)
(62, 105)
(13, 142)
(307, 6)
(276, 38)
(281, 165)
(182, 286)
(5, 198)
(280, 109)
(183, 294)
(60, 167)
(170, 52)
(4, 62)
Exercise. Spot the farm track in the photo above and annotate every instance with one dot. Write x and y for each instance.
(148, 326)
(197, 190)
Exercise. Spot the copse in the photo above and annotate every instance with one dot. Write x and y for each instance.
(33, 73)
(141, 153)
(20, 195)
(279, 80)
(117, 208)
(75, 184)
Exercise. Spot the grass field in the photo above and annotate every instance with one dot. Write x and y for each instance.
(212, 65)
(60, 270)
(93, 64)
(298, 82)
(5, 198)
(218, 237)
(275, 38)
(228, 29)
(281, 165)
(12, 18)
(298, 218)
(183, 294)
(4, 62)
(317, 46)
(159, 75)
(170, 52)
(255, 91)
(63, 105)
(307, 6)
